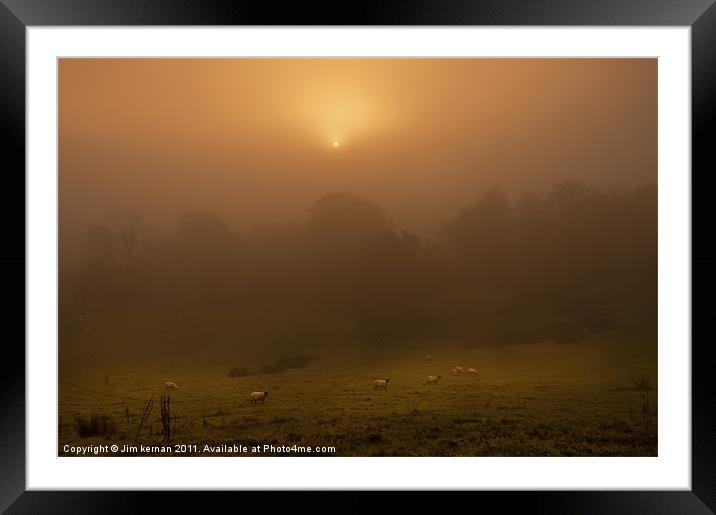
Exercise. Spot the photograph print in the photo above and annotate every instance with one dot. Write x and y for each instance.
(357, 257)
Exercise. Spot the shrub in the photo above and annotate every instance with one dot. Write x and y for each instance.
(297, 361)
(239, 372)
(286, 362)
(271, 369)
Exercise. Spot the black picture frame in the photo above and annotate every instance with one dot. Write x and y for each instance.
(16, 15)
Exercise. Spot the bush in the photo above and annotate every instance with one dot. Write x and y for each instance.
(285, 362)
(239, 372)
(271, 369)
(297, 361)
(95, 425)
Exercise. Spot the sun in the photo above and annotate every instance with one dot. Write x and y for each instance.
(336, 144)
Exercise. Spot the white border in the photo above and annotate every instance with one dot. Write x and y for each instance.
(671, 469)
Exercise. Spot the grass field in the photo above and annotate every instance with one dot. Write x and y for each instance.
(528, 400)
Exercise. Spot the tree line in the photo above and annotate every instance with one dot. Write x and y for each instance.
(560, 265)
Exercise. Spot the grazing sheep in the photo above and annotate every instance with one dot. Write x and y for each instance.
(170, 386)
(433, 379)
(460, 370)
(472, 371)
(428, 358)
(381, 384)
(255, 397)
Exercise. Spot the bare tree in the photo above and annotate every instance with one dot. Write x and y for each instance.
(122, 241)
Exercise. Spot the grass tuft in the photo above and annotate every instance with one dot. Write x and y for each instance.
(94, 425)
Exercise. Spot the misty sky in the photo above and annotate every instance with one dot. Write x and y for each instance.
(253, 139)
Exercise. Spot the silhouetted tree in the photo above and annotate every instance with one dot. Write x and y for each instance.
(346, 217)
(484, 233)
(121, 248)
(204, 254)
(338, 226)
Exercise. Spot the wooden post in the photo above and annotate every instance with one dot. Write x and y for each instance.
(166, 418)
(147, 411)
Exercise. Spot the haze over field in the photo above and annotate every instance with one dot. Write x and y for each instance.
(357, 215)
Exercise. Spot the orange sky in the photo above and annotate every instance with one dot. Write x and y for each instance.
(251, 139)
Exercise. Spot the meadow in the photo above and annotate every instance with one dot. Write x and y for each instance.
(593, 398)
(497, 214)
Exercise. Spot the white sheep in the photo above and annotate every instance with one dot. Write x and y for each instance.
(433, 379)
(472, 371)
(381, 384)
(460, 370)
(428, 358)
(170, 386)
(255, 397)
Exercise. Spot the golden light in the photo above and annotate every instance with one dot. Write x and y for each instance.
(336, 144)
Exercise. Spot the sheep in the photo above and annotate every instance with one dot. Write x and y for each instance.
(381, 384)
(428, 358)
(460, 370)
(472, 371)
(255, 397)
(170, 386)
(433, 379)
